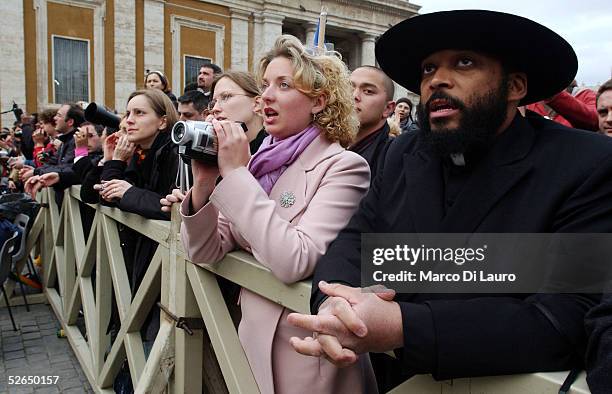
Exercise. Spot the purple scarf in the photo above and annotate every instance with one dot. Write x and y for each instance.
(274, 156)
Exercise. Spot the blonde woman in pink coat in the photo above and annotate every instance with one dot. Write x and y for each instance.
(284, 205)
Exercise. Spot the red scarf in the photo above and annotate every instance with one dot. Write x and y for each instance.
(142, 154)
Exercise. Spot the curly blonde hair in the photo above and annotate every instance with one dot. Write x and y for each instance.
(320, 75)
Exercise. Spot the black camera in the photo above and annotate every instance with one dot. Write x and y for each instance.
(99, 115)
(197, 140)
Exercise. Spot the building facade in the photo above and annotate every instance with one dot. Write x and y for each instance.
(54, 51)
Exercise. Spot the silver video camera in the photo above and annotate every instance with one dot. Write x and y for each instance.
(197, 140)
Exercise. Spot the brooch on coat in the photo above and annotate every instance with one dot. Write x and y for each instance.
(287, 199)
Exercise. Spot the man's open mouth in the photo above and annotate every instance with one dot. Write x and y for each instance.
(441, 106)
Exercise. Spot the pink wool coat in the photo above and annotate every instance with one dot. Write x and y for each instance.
(327, 182)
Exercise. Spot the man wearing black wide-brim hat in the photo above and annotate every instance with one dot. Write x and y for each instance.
(476, 166)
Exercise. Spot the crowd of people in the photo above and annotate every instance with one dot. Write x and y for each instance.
(328, 154)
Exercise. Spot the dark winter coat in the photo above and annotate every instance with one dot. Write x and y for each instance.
(539, 177)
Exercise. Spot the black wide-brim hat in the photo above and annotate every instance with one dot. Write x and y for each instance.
(520, 43)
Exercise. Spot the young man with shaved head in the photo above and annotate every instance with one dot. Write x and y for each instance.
(373, 93)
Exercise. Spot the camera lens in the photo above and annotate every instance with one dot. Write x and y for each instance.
(178, 132)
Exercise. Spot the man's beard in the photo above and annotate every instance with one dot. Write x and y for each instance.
(478, 124)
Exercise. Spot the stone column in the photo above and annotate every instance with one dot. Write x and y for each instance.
(311, 30)
(267, 29)
(125, 52)
(240, 40)
(42, 72)
(154, 35)
(99, 58)
(12, 58)
(368, 42)
(272, 29)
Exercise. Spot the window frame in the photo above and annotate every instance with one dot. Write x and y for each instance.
(185, 56)
(53, 79)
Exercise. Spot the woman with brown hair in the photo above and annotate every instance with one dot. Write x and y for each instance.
(157, 80)
(138, 168)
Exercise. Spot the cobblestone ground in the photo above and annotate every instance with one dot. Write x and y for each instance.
(35, 350)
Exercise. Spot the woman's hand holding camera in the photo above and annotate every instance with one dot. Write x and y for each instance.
(233, 146)
(232, 153)
(204, 178)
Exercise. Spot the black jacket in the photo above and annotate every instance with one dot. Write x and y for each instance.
(63, 160)
(538, 177)
(81, 167)
(599, 354)
(78, 171)
(152, 179)
(373, 147)
(27, 143)
(90, 178)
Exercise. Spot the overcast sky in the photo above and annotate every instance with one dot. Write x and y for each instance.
(585, 24)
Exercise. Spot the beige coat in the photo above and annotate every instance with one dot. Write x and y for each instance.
(328, 183)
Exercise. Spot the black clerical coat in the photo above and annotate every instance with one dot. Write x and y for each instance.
(538, 177)
(599, 351)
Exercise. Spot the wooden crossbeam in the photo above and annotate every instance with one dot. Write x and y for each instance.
(157, 230)
(188, 349)
(89, 256)
(104, 290)
(84, 255)
(121, 284)
(76, 230)
(48, 255)
(242, 268)
(160, 365)
(69, 263)
(232, 359)
(145, 297)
